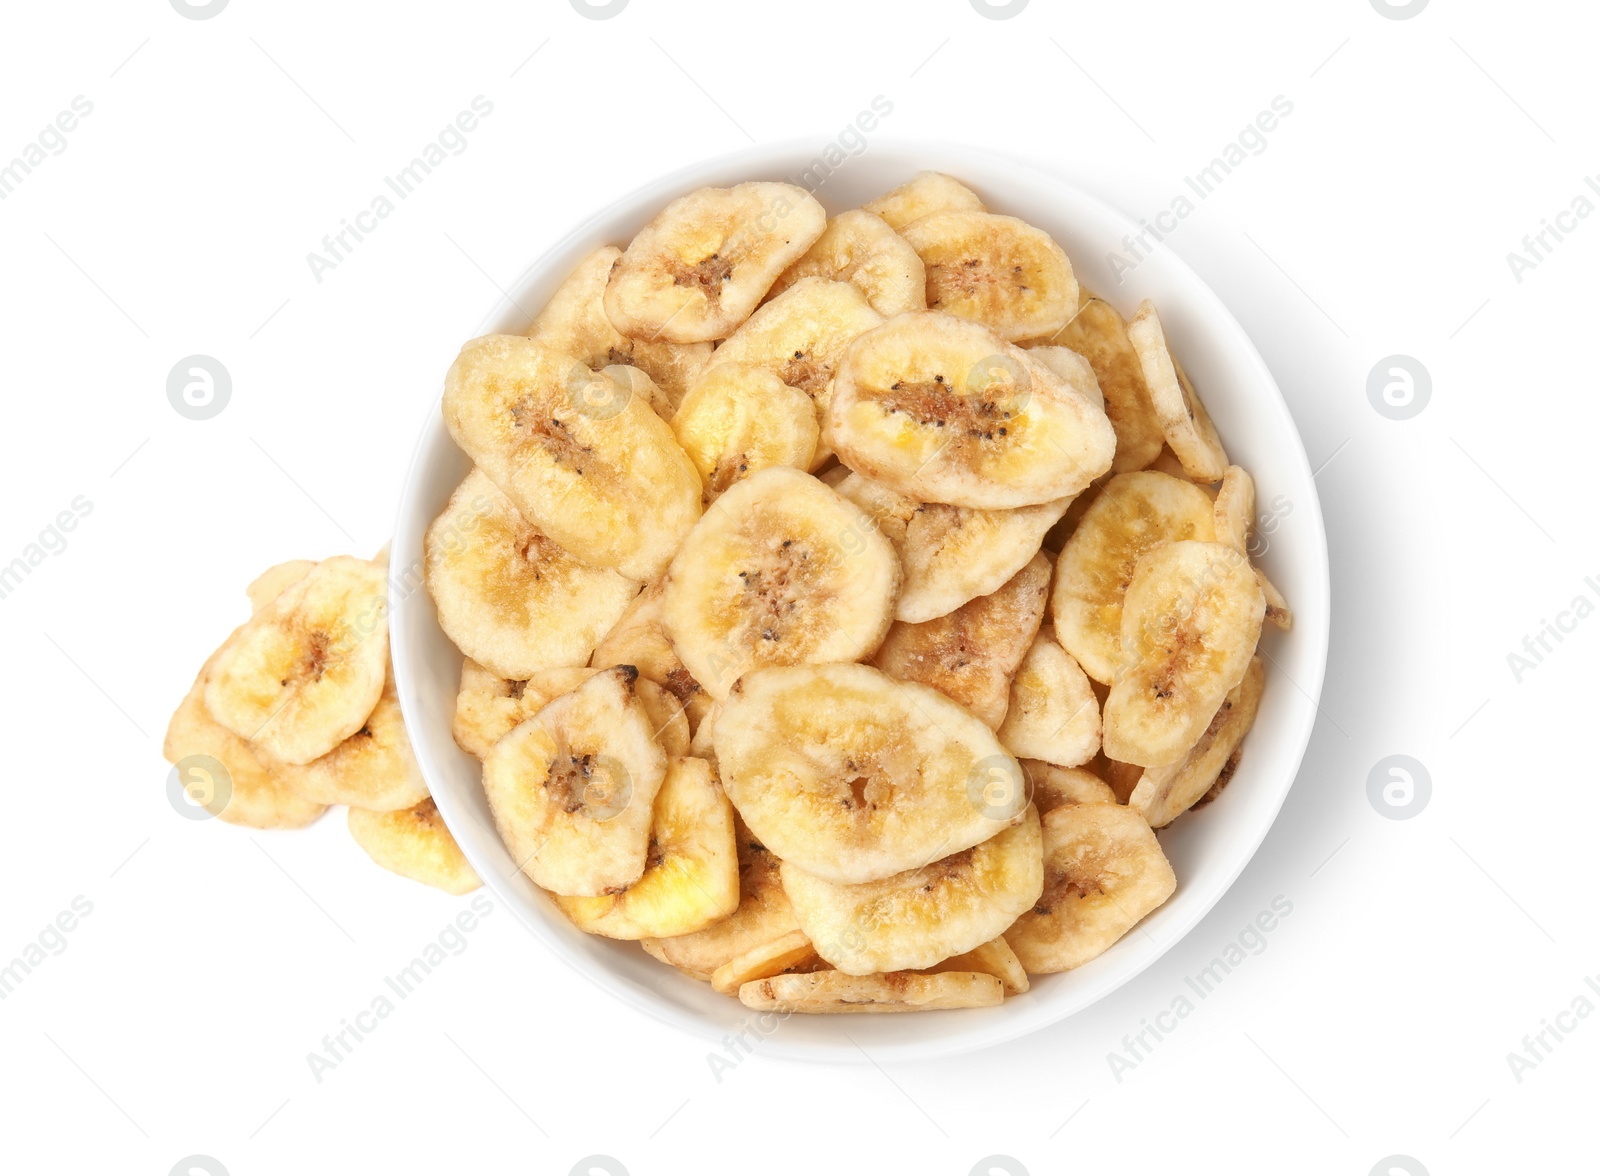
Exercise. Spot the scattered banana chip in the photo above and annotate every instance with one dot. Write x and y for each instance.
(788, 953)
(302, 675)
(607, 481)
(739, 418)
(415, 844)
(574, 323)
(697, 271)
(994, 958)
(572, 788)
(1184, 422)
(949, 554)
(1053, 715)
(691, 875)
(853, 776)
(996, 270)
(971, 654)
(1051, 786)
(1103, 872)
(1165, 794)
(1190, 623)
(917, 918)
(1099, 335)
(509, 596)
(942, 410)
(861, 248)
(373, 769)
(780, 571)
(923, 195)
(638, 640)
(1134, 513)
(270, 584)
(895, 992)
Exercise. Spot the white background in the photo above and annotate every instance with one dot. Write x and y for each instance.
(177, 220)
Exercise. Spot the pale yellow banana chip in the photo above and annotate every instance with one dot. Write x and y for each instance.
(698, 270)
(1075, 371)
(637, 639)
(896, 992)
(859, 247)
(788, 953)
(922, 195)
(1184, 421)
(1164, 794)
(1103, 872)
(739, 418)
(1235, 514)
(996, 270)
(489, 706)
(994, 958)
(270, 584)
(373, 769)
(1053, 715)
(1051, 786)
(414, 843)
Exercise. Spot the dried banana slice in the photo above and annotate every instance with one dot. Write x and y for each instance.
(1053, 714)
(1098, 333)
(303, 674)
(994, 958)
(1164, 794)
(414, 843)
(489, 706)
(1075, 371)
(606, 481)
(922, 195)
(1134, 513)
(853, 776)
(895, 992)
(996, 270)
(226, 774)
(781, 571)
(699, 269)
(1184, 421)
(1103, 872)
(270, 584)
(574, 323)
(373, 769)
(572, 788)
(941, 410)
(1235, 515)
(917, 918)
(739, 418)
(1051, 786)
(1190, 622)
(788, 953)
(970, 655)
(510, 597)
(637, 639)
(859, 247)
(763, 916)
(950, 554)
(691, 876)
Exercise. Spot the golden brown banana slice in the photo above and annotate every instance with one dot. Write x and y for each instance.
(574, 323)
(225, 774)
(698, 270)
(922, 195)
(270, 584)
(970, 655)
(303, 674)
(917, 918)
(780, 571)
(996, 270)
(607, 481)
(1134, 513)
(739, 418)
(762, 917)
(508, 595)
(1098, 333)
(788, 953)
(1164, 794)
(691, 876)
(1235, 515)
(414, 843)
(853, 776)
(994, 958)
(1053, 714)
(950, 554)
(637, 639)
(941, 410)
(572, 788)
(489, 706)
(373, 769)
(1051, 786)
(1183, 418)
(1103, 872)
(895, 992)
(1190, 623)
(859, 247)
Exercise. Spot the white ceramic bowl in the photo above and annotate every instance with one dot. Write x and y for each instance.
(1208, 849)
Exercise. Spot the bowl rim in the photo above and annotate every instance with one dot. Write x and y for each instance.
(757, 161)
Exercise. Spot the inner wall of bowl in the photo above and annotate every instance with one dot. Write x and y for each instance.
(1207, 849)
